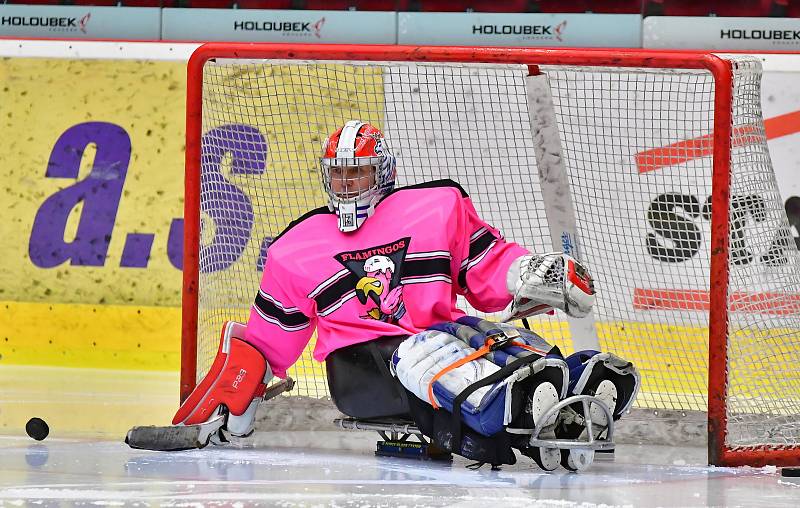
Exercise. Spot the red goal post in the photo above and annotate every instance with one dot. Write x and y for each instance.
(729, 132)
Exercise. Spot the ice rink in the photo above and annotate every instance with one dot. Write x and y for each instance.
(85, 462)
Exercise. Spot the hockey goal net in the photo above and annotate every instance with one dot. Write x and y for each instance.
(652, 167)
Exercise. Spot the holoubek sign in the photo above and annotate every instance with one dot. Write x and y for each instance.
(253, 25)
(80, 22)
(685, 32)
(491, 29)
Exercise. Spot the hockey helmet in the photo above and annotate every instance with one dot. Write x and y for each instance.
(357, 171)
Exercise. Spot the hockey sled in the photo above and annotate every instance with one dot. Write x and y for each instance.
(362, 388)
(547, 452)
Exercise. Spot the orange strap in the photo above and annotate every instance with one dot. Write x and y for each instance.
(474, 356)
(529, 348)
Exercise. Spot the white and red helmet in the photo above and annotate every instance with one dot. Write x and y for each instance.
(357, 144)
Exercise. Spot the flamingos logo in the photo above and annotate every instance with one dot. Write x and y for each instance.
(377, 272)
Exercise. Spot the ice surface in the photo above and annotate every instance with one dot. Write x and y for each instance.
(339, 469)
(85, 462)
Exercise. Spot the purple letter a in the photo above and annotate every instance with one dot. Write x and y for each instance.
(100, 193)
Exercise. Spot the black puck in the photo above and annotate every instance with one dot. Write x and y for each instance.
(37, 428)
(791, 472)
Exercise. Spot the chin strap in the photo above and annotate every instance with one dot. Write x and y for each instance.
(348, 219)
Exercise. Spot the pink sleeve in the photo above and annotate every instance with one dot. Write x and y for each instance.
(277, 327)
(485, 258)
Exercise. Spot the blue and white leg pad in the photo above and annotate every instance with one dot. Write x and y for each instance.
(488, 409)
(605, 375)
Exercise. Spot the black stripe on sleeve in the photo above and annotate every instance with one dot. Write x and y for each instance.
(476, 247)
(290, 319)
(462, 278)
(480, 244)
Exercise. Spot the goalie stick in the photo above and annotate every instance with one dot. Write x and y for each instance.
(188, 437)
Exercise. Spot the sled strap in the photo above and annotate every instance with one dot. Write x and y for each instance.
(492, 342)
(501, 374)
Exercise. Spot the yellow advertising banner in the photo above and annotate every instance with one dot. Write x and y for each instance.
(91, 168)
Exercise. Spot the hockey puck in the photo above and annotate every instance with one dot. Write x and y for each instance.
(37, 428)
(790, 472)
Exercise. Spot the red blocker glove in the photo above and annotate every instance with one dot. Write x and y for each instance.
(234, 386)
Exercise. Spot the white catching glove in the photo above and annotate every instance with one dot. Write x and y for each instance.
(554, 280)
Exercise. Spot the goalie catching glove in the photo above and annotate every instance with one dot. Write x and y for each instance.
(540, 283)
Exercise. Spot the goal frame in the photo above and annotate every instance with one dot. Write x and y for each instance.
(720, 69)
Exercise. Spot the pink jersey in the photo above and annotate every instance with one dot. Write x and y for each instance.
(399, 273)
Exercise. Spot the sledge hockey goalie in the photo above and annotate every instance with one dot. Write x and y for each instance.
(376, 273)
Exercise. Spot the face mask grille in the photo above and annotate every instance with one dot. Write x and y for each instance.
(350, 185)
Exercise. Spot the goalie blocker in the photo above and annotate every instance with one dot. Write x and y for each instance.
(225, 401)
(234, 385)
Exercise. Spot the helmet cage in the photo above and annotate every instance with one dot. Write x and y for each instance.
(326, 164)
(354, 210)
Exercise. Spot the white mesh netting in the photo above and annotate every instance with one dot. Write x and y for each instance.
(637, 148)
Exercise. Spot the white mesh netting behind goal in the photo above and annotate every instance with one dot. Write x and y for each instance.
(637, 147)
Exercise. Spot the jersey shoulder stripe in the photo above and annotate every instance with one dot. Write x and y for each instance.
(311, 213)
(443, 183)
